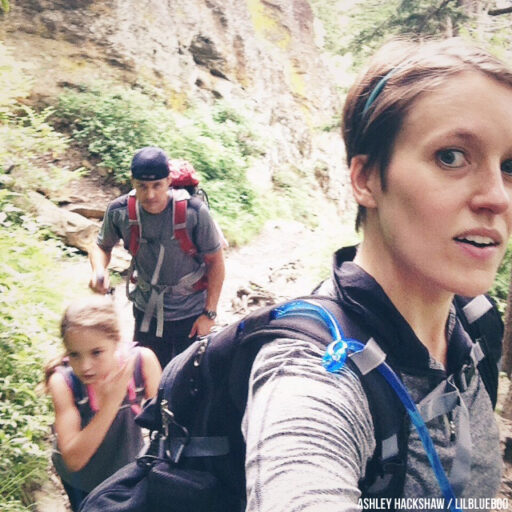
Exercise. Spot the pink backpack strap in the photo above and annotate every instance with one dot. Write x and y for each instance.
(93, 401)
(136, 382)
(132, 396)
(180, 227)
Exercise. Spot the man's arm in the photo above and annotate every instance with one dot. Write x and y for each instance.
(99, 259)
(101, 251)
(215, 272)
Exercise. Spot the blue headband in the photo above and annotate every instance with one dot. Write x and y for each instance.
(377, 90)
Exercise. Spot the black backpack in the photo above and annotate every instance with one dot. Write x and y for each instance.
(195, 462)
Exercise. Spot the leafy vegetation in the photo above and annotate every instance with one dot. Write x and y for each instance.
(24, 324)
(31, 298)
(113, 122)
(31, 293)
(334, 17)
(501, 284)
(373, 21)
(26, 139)
(358, 27)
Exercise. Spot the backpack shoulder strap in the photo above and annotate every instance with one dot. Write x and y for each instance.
(481, 319)
(180, 205)
(136, 386)
(385, 471)
(78, 389)
(134, 221)
(138, 374)
(73, 382)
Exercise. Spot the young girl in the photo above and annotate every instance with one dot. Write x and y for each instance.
(97, 389)
(428, 134)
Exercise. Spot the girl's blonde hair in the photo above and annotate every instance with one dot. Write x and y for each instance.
(97, 312)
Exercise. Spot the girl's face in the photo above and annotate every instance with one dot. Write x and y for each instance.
(444, 220)
(91, 354)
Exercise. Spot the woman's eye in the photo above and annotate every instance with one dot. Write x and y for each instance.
(97, 353)
(451, 157)
(72, 355)
(506, 167)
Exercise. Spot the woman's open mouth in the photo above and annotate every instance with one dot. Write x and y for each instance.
(477, 241)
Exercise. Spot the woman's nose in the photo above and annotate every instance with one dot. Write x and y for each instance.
(491, 191)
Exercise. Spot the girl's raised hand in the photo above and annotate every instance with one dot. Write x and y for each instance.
(112, 389)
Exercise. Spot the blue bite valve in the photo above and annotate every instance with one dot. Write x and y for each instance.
(335, 356)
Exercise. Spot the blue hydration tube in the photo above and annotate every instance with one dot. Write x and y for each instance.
(334, 360)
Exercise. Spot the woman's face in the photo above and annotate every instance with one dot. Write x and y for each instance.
(444, 220)
(91, 354)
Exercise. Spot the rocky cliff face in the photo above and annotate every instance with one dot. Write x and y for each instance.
(261, 52)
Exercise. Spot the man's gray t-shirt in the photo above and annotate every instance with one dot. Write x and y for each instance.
(158, 229)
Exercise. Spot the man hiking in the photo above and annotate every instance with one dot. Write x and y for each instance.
(177, 267)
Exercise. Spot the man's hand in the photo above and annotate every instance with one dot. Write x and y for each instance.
(99, 260)
(100, 282)
(201, 327)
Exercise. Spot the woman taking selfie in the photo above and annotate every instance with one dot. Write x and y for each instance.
(428, 135)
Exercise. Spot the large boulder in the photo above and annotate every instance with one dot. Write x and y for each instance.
(76, 230)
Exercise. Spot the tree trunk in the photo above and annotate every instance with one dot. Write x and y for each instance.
(506, 360)
(507, 405)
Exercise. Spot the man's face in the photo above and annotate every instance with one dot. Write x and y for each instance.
(152, 195)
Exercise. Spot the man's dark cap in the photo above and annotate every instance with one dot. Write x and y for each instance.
(150, 164)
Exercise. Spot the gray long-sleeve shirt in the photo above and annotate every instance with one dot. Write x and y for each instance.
(309, 435)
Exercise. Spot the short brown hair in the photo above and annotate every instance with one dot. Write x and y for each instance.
(399, 73)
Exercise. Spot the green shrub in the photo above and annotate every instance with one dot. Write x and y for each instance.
(26, 138)
(14, 82)
(112, 122)
(31, 299)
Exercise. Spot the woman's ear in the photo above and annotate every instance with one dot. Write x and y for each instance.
(364, 181)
